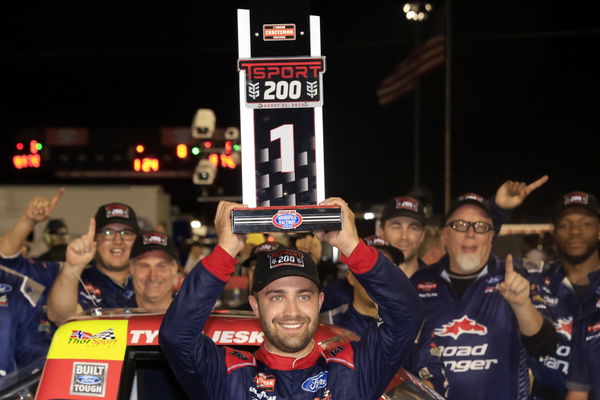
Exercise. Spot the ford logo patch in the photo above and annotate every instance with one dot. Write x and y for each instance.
(88, 379)
(5, 288)
(287, 219)
(316, 382)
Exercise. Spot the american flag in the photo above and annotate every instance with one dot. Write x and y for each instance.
(405, 75)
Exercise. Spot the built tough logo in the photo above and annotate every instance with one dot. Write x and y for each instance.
(89, 379)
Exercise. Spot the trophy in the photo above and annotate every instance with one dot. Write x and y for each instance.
(281, 118)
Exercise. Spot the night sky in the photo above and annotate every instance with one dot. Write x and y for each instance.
(525, 99)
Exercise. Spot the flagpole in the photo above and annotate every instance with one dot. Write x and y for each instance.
(448, 110)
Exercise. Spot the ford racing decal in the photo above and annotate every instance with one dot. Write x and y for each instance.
(316, 382)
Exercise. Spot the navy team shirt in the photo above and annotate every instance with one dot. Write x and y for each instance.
(584, 375)
(557, 301)
(478, 334)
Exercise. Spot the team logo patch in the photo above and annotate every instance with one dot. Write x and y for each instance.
(457, 327)
(471, 196)
(279, 32)
(117, 211)
(286, 257)
(3, 301)
(89, 379)
(564, 326)
(316, 382)
(426, 286)
(287, 219)
(5, 288)
(576, 198)
(154, 238)
(407, 203)
(266, 382)
(81, 337)
(593, 328)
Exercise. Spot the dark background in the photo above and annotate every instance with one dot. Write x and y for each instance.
(525, 95)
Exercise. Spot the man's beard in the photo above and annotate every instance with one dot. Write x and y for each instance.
(469, 262)
(576, 259)
(285, 342)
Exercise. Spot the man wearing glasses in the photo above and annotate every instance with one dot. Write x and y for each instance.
(105, 283)
(479, 309)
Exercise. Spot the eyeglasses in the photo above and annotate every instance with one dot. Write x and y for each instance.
(110, 234)
(462, 226)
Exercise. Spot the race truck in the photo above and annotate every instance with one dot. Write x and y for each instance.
(114, 355)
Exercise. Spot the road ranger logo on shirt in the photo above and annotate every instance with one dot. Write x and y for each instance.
(314, 383)
(564, 326)
(457, 327)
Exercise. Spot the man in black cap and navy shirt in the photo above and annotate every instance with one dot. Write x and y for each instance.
(286, 297)
(568, 287)
(105, 283)
(480, 310)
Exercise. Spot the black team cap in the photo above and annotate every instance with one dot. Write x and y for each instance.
(577, 199)
(379, 243)
(468, 199)
(404, 207)
(281, 263)
(265, 247)
(151, 241)
(116, 213)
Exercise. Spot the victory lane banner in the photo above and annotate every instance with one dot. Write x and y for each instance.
(281, 71)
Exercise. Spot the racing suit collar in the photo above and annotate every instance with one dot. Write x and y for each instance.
(283, 363)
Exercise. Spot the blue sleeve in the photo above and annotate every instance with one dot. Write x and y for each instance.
(380, 354)
(579, 378)
(337, 293)
(44, 272)
(196, 360)
(31, 343)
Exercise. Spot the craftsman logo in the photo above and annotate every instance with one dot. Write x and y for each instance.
(117, 211)
(89, 379)
(459, 326)
(407, 203)
(287, 219)
(426, 286)
(576, 198)
(5, 288)
(286, 257)
(316, 382)
(283, 82)
(279, 32)
(155, 238)
(471, 197)
(102, 338)
(266, 382)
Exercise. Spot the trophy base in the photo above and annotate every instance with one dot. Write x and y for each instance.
(286, 219)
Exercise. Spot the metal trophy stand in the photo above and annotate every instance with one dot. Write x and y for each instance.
(281, 115)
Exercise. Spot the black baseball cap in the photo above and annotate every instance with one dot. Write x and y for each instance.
(281, 263)
(468, 199)
(57, 227)
(379, 243)
(577, 199)
(404, 206)
(151, 241)
(116, 213)
(265, 247)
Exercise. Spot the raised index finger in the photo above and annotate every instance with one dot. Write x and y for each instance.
(509, 265)
(55, 199)
(534, 185)
(92, 229)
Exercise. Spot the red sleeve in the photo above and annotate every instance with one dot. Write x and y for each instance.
(220, 263)
(362, 259)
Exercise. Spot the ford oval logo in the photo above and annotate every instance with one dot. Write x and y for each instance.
(5, 288)
(287, 219)
(88, 379)
(316, 382)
